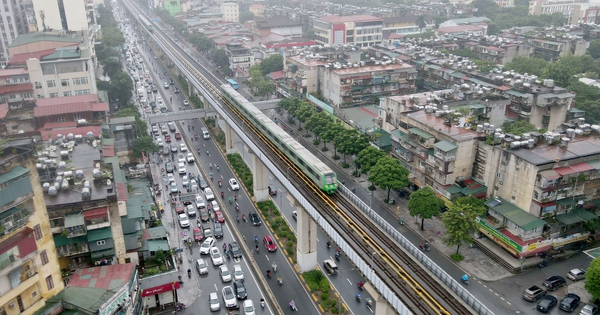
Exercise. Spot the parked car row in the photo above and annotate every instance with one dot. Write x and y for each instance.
(546, 302)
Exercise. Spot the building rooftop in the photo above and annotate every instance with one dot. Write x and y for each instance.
(22, 58)
(3, 110)
(369, 68)
(276, 21)
(13, 71)
(432, 124)
(306, 62)
(471, 20)
(54, 36)
(68, 104)
(69, 52)
(349, 18)
(459, 28)
(545, 153)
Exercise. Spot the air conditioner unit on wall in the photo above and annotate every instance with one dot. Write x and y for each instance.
(30, 273)
(11, 305)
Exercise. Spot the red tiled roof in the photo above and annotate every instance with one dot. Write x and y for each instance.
(12, 71)
(109, 277)
(504, 88)
(59, 125)
(22, 58)
(68, 108)
(96, 213)
(121, 192)
(90, 98)
(276, 75)
(108, 151)
(15, 88)
(582, 167)
(350, 18)
(3, 110)
(565, 170)
(495, 48)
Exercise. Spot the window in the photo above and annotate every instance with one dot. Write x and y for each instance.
(79, 81)
(51, 83)
(53, 95)
(64, 82)
(82, 92)
(44, 257)
(38, 232)
(100, 243)
(58, 222)
(38, 85)
(67, 93)
(127, 260)
(77, 117)
(3, 185)
(49, 282)
(60, 119)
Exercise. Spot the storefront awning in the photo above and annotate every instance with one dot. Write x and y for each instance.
(74, 220)
(160, 289)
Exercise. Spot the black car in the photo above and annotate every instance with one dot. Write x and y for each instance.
(218, 230)
(255, 219)
(176, 90)
(554, 282)
(546, 304)
(240, 290)
(235, 249)
(569, 302)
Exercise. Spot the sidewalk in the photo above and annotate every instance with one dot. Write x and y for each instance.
(476, 263)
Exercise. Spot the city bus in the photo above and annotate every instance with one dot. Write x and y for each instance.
(233, 84)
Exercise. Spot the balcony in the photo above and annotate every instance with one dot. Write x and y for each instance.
(14, 219)
(97, 223)
(74, 226)
(73, 249)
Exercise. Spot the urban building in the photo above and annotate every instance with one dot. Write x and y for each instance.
(358, 30)
(15, 88)
(66, 15)
(29, 270)
(81, 109)
(406, 25)
(462, 30)
(279, 25)
(478, 21)
(257, 9)
(231, 11)
(576, 11)
(14, 23)
(240, 56)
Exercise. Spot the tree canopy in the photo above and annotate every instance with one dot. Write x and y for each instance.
(246, 16)
(368, 157)
(592, 284)
(271, 64)
(424, 203)
(219, 57)
(460, 221)
(389, 174)
(144, 144)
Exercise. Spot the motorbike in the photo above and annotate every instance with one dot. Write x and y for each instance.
(293, 306)
(369, 303)
(360, 285)
(179, 306)
(465, 279)
(358, 297)
(262, 303)
(280, 280)
(392, 201)
(424, 247)
(189, 273)
(401, 221)
(338, 256)
(328, 245)
(543, 264)
(220, 184)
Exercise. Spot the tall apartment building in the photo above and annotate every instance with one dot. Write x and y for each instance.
(359, 30)
(231, 11)
(29, 270)
(576, 11)
(67, 15)
(13, 22)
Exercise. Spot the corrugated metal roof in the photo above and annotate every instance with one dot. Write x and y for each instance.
(445, 146)
(99, 234)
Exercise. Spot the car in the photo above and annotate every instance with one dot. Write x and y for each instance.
(183, 220)
(201, 266)
(198, 235)
(234, 184)
(178, 136)
(171, 126)
(240, 290)
(154, 128)
(174, 188)
(255, 219)
(186, 103)
(213, 301)
(533, 293)
(180, 158)
(179, 207)
(164, 130)
(183, 147)
(193, 186)
(191, 210)
(204, 216)
(235, 249)
(190, 157)
(218, 230)
(171, 82)
(159, 98)
(174, 148)
(589, 309)
(295, 215)
(225, 274)
(177, 90)
(181, 168)
(169, 167)
(214, 205)
(199, 202)
(166, 85)
(546, 304)
(269, 243)
(206, 245)
(170, 177)
(272, 190)
(185, 181)
(219, 216)
(209, 194)
(238, 273)
(248, 307)
(208, 232)
(168, 139)
(216, 257)
(576, 274)
(569, 302)
(554, 282)
(159, 142)
(229, 297)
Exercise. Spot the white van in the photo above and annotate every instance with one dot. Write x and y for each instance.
(205, 133)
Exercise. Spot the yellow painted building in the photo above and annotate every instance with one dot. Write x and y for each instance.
(29, 270)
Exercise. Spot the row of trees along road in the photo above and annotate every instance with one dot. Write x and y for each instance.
(384, 171)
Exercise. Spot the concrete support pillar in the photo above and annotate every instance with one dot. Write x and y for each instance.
(306, 227)
(191, 89)
(260, 178)
(383, 307)
(229, 140)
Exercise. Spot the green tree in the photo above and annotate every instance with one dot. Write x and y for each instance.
(112, 37)
(487, 8)
(594, 49)
(309, 34)
(560, 73)
(421, 23)
(144, 144)
(389, 174)
(289, 104)
(424, 203)
(304, 112)
(369, 157)
(518, 127)
(592, 284)
(219, 57)
(110, 67)
(460, 221)
(527, 65)
(120, 87)
(319, 123)
(331, 133)
(246, 16)
(104, 52)
(271, 64)
(141, 127)
(128, 111)
(352, 142)
(465, 52)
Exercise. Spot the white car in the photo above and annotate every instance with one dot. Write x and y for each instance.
(215, 256)
(181, 168)
(183, 147)
(186, 102)
(159, 98)
(215, 205)
(170, 177)
(185, 180)
(225, 274)
(181, 158)
(199, 202)
(238, 273)
(209, 194)
(207, 245)
(234, 184)
(229, 297)
(190, 158)
(213, 301)
(201, 266)
(160, 143)
(174, 188)
(183, 220)
(248, 307)
(191, 210)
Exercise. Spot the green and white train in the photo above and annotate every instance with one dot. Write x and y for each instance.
(314, 168)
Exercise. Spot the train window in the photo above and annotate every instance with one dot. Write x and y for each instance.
(330, 178)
